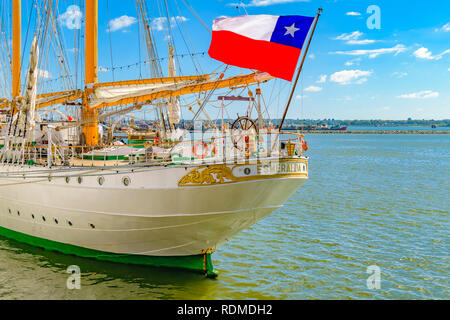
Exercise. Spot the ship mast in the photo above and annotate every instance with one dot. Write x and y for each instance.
(17, 20)
(90, 115)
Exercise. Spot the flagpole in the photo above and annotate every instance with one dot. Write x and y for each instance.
(299, 71)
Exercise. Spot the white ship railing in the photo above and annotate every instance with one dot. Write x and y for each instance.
(241, 147)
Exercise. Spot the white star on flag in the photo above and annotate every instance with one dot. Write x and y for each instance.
(291, 30)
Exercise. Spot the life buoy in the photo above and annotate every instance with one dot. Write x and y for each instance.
(305, 145)
(204, 150)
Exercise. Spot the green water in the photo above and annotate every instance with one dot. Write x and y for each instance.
(371, 200)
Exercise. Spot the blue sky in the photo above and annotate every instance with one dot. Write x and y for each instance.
(352, 72)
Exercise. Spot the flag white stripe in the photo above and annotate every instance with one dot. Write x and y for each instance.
(258, 27)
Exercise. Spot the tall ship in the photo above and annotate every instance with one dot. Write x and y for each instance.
(82, 174)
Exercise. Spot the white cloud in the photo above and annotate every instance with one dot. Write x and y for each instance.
(353, 13)
(322, 78)
(71, 19)
(353, 62)
(353, 38)
(43, 74)
(424, 53)
(426, 94)
(399, 75)
(445, 28)
(313, 89)
(159, 23)
(366, 41)
(345, 77)
(375, 52)
(350, 36)
(346, 98)
(299, 97)
(121, 23)
(265, 3)
(312, 56)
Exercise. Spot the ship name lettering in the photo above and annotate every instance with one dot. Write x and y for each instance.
(274, 168)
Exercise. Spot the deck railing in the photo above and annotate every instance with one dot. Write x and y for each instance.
(237, 147)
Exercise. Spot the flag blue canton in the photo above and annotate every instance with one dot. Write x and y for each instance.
(292, 30)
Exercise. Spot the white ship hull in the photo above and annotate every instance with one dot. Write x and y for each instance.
(161, 213)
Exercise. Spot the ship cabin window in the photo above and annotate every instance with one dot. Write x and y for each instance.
(126, 181)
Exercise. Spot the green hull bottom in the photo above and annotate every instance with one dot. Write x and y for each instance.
(199, 263)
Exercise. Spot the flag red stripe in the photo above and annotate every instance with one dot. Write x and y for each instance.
(276, 59)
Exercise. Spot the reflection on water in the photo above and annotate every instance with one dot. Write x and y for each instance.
(370, 200)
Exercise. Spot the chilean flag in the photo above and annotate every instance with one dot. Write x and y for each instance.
(266, 43)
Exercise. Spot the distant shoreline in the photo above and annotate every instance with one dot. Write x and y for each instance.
(372, 132)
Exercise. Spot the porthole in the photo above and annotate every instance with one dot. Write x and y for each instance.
(247, 171)
(92, 226)
(43, 219)
(56, 221)
(32, 216)
(69, 223)
(18, 213)
(101, 180)
(49, 178)
(9, 210)
(80, 180)
(126, 181)
(67, 179)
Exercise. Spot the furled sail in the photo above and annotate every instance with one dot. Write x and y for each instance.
(126, 92)
(4, 103)
(174, 103)
(27, 106)
(116, 91)
(49, 99)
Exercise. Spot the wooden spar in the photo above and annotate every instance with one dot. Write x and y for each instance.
(194, 88)
(4, 103)
(91, 54)
(299, 71)
(152, 81)
(57, 97)
(49, 99)
(16, 79)
(233, 98)
(90, 130)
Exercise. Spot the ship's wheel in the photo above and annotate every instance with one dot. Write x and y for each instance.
(242, 124)
(245, 123)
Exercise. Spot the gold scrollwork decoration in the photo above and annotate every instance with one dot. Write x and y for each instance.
(217, 174)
